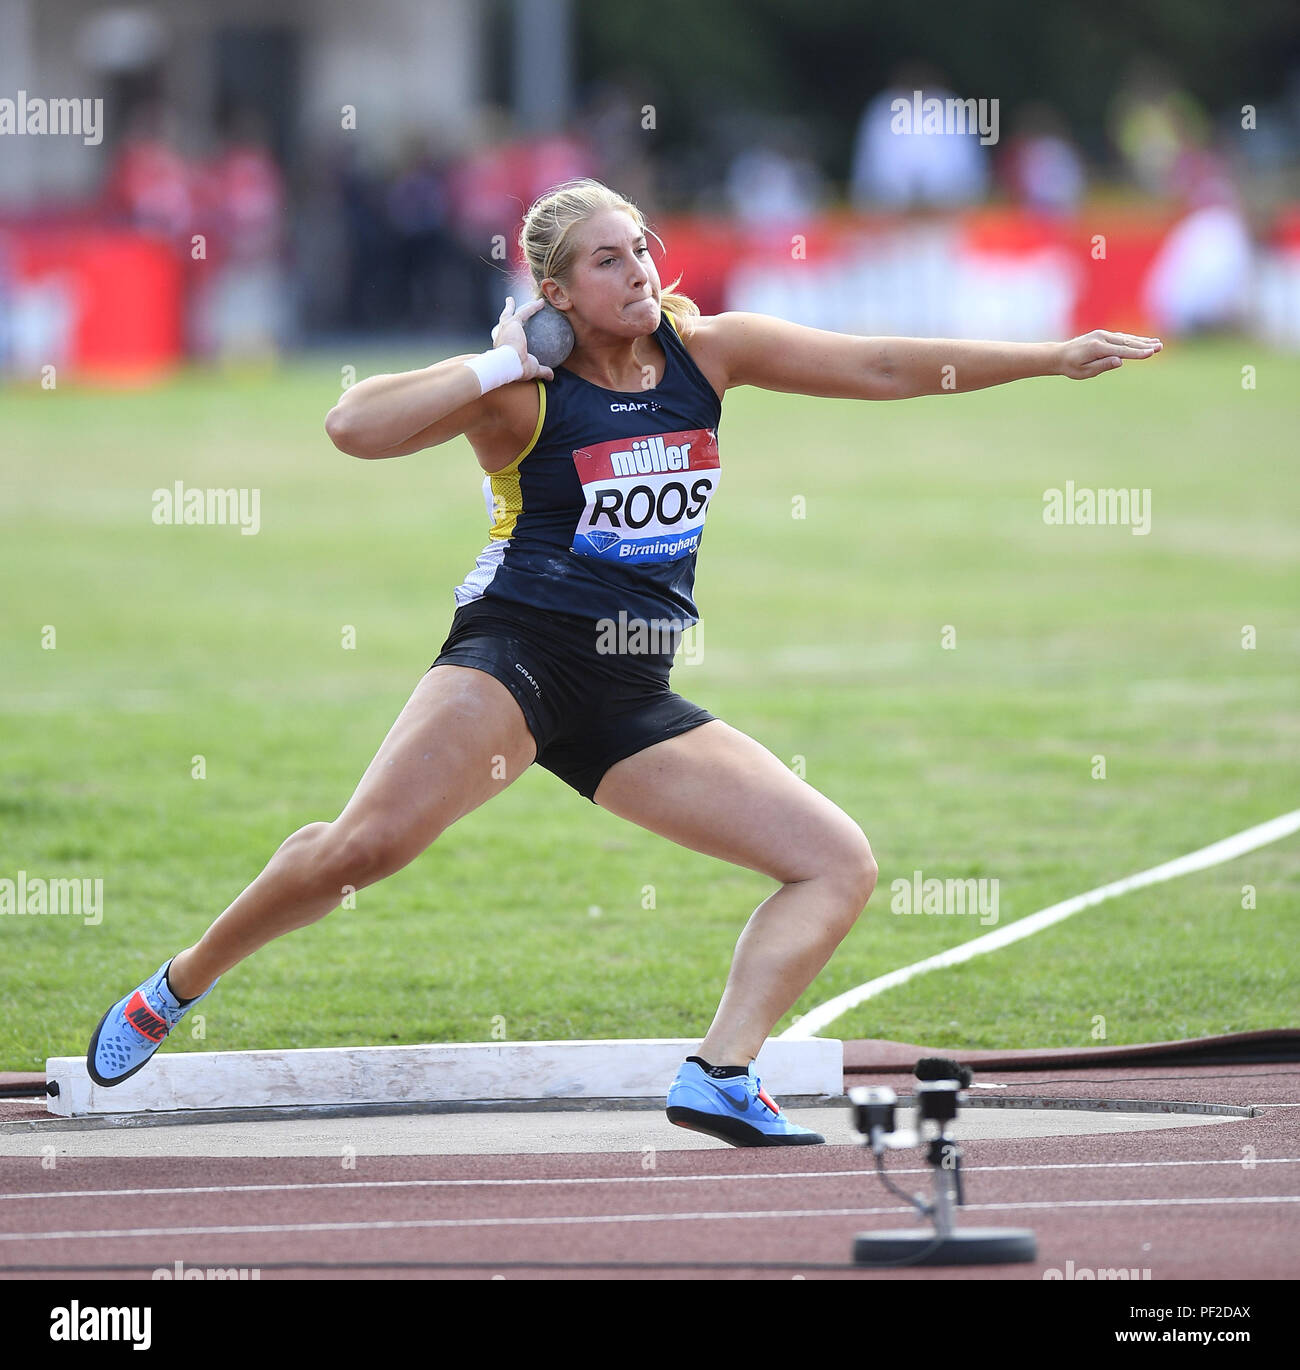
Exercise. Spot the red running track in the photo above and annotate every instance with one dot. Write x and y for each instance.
(1215, 1201)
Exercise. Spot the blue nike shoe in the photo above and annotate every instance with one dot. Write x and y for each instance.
(135, 1027)
(737, 1110)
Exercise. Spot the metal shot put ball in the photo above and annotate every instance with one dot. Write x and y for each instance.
(550, 338)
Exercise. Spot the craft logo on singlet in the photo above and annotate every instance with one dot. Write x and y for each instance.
(646, 497)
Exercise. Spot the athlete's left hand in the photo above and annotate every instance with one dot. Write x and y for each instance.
(509, 332)
(1092, 353)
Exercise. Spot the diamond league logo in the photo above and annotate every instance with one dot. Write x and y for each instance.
(600, 541)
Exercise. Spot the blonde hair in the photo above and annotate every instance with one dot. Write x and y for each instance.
(547, 242)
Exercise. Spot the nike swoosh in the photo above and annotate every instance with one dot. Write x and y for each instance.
(740, 1108)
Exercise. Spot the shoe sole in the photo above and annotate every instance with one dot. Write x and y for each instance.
(94, 1047)
(733, 1131)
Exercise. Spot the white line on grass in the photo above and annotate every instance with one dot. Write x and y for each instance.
(812, 1022)
(722, 1215)
(749, 1178)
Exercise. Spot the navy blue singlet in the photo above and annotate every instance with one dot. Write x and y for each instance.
(604, 509)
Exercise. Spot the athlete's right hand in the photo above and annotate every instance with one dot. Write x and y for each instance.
(509, 332)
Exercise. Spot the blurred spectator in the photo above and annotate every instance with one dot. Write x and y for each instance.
(546, 161)
(418, 206)
(1201, 275)
(320, 240)
(491, 187)
(1040, 167)
(899, 170)
(774, 183)
(243, 193)
(369, 297)
(8, 304)
(1151, 120)
(1200, 279)
(241, 305)
(149, 185)
(613, 122)
(483, 215)
(1267, 145)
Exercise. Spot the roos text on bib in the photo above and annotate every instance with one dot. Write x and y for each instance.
(646, 498)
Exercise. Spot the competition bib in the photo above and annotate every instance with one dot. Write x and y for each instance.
(646, 498)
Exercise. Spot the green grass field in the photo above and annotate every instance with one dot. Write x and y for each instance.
(822, 637)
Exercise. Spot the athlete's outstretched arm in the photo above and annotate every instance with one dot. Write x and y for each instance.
(773, 354)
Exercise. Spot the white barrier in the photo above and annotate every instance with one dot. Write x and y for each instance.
(462, 1071)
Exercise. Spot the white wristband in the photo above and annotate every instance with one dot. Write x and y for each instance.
(498, 367)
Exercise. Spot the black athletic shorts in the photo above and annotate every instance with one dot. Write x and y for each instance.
(585, 708)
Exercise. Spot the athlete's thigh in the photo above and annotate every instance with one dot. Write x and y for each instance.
(718, 791)
(460, 739)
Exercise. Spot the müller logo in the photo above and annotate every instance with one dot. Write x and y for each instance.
(651, 454)
(34, 115)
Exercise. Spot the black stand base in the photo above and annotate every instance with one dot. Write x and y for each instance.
(966, 1246)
